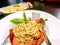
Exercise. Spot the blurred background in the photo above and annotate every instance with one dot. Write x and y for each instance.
(50, 6)
(10, 2)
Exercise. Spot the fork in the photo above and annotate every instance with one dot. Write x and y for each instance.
(37, 16)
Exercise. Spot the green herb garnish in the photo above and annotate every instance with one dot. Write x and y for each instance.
(24, 17)
(46, 19)
(19, 20)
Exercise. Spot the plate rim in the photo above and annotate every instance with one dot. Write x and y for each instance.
(33, 10)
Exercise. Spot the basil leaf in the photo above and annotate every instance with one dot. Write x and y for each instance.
(17, 20)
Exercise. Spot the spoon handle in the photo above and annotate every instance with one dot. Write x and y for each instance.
(47, 40)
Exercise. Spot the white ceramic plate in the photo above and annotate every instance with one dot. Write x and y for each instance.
(53, 24)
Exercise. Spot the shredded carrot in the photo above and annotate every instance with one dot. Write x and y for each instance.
(41, 39)
(15, 42)
(40, 21)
